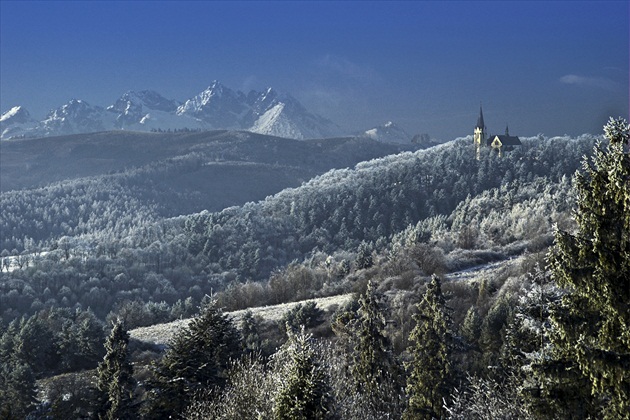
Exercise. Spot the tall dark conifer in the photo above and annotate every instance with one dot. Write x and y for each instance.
(374, 368)
(592, 323)
(197, 359)
(115, 378)
(430, 378)
(304, 392)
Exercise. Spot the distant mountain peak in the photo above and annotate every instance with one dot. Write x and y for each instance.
(388, 132)
(216, 107)
(16, 115)
(140, 102)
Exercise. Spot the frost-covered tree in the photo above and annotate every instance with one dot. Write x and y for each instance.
(248, 394)
(430, 377)
(364, 256)
(373, 367)
(304, 392)
(484, 399)
(197, 359)
(471, 326)
(592, 323)
(115, 378)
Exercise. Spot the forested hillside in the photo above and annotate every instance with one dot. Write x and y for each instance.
(388, 229)
(105, 184)
(107, 242)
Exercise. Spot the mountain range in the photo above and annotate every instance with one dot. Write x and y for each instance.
(217, 107)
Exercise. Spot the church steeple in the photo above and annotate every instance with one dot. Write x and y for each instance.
(507, 130)
(480, 123)
(479, 134)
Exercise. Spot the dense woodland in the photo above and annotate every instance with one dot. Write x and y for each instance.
(102, 254)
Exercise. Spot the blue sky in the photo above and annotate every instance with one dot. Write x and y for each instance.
(542, 67)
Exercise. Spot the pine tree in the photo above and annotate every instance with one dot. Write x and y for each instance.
(592, 324)
(197, 359)
(115, 378)
(430, 378)
(304, 393)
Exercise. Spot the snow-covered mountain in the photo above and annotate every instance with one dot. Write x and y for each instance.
(283, 116)
(16, 122)
(217, 107)
(148, 110)
(388, 133)
(76, 116)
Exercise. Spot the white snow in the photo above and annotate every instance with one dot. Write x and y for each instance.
(10, 113)
(217, 107)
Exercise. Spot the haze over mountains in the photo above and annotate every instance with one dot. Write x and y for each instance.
(217, 107)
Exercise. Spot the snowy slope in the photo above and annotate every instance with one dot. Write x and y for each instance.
(16, 122)
(76, 116)
(388, 133)
(283, 116)
(217, 106)
(148, 110)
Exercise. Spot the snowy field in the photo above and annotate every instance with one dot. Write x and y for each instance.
(160, 334)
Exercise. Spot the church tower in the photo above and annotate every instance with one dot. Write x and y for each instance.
(480, 134)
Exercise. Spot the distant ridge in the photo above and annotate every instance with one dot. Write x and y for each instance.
(217, 107)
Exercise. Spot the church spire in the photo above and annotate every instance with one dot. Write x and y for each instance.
(480, 123)
(507, 130)
(479, 133)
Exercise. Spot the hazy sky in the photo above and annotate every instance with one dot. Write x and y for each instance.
(543, 67)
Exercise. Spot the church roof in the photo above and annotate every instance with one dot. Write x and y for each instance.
(506, 140)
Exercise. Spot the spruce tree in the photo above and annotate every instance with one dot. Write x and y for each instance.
(592, 323)
(17, 389)
(471, 326)
(197, 359)
(115, 378)
(430, 379)
(304, 392)
(374, 368)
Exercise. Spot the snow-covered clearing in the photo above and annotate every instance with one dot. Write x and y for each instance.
(11, 263)
(481, 271)
(160, 334)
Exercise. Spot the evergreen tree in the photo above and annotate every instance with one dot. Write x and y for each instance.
(471, 326)
(17, 389)
(526, 356)
(36, 346)
(470, 331)
(592, 323)
(430, 380)
(492, 334)
(115, 378)
(197, 359)
(306, 315)
(304, 392)
(250, 332)
(373, 368)
(364, 256)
